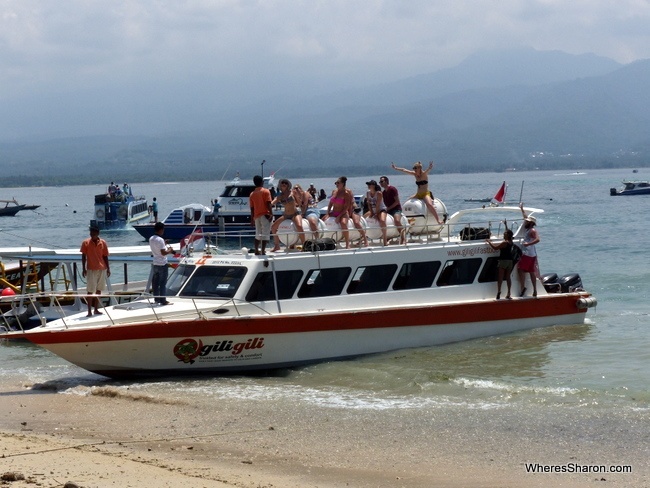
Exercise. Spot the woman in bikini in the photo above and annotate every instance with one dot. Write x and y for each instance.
(377, 207)
(422, 182)
(339, 207)
(287, 198)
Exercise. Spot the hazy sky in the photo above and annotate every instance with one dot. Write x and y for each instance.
(74, 66)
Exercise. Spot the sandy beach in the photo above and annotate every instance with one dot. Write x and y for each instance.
(106, 437)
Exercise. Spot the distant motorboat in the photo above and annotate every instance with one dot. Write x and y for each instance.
(632, 188)
(498, 199)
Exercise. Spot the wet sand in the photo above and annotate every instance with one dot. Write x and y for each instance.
(113, 438)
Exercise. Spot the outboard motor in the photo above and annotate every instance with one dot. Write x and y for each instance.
(551, 283)
(570, 283)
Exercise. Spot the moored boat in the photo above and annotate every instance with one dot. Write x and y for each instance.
(118, 210)
(632, 188)
(230, 214)
(236, 312)
(12, 207)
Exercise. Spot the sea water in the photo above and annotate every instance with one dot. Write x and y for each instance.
(601, 364)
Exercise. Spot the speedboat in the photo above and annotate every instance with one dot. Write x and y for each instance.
(233, 312)
(632, 188)
(118, 211)
(229, 215)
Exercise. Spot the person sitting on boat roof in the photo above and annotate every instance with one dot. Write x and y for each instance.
(312, 191)
(393, 205)
(355, 216)
(422, 183)
(528, 261)
(288, 199)
(377, 207)
(505, 262)
(310, 211)
(339, 206)
(126, 189)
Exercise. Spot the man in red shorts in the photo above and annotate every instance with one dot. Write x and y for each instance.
(528, 261)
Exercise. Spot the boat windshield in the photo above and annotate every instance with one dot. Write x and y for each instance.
(179, 278)
(238, 191)
(213, 281)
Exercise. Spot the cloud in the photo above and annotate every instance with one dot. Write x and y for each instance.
(228, 51)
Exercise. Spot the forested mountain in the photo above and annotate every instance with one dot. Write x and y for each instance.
(522, 109)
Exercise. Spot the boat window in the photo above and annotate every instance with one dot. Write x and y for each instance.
(490, 271)
(178, 278)
(459, 272)
(214, 281)
(324, 282)
(369, 279)
(263, 287)
(416, 275)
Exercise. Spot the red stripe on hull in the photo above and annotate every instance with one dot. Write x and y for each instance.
(481, 311)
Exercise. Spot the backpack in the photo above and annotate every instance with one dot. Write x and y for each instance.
(515, 252)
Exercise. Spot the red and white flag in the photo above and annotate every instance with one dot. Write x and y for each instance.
(500, 197)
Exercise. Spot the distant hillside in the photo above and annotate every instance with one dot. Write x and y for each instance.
(494, 111)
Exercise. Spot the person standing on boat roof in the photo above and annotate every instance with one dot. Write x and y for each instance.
(261, 213)
(154, 209)
(422, 183)
(160, 249)
(393, 205)
(95, 267)
(528, 261)
(505, 262)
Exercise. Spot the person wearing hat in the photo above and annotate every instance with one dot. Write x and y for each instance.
(528, 261)
(377, 207)
(95, 267)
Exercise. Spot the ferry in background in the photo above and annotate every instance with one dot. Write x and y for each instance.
(119, 210)
(230, 214)
(232, 312)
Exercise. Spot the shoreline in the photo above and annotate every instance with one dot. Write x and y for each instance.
(109, 435)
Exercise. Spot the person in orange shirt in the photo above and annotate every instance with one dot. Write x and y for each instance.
(261, 214)
(94, 263)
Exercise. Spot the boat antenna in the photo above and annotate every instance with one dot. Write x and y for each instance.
(263, 161)
(224, 173)
(521, 192)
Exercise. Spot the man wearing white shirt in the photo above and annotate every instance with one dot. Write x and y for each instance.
(160, 249)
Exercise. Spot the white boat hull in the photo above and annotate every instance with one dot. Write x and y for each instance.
(244, 343)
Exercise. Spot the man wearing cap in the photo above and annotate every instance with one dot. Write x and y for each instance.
(95, 267)
(528, 261)
(312, 191)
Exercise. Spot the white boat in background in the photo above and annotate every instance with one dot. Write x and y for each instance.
(229, 215)
(632, 188)
(238, 312)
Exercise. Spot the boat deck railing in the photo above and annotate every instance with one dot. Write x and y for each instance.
(468, 230)
(34, 306)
